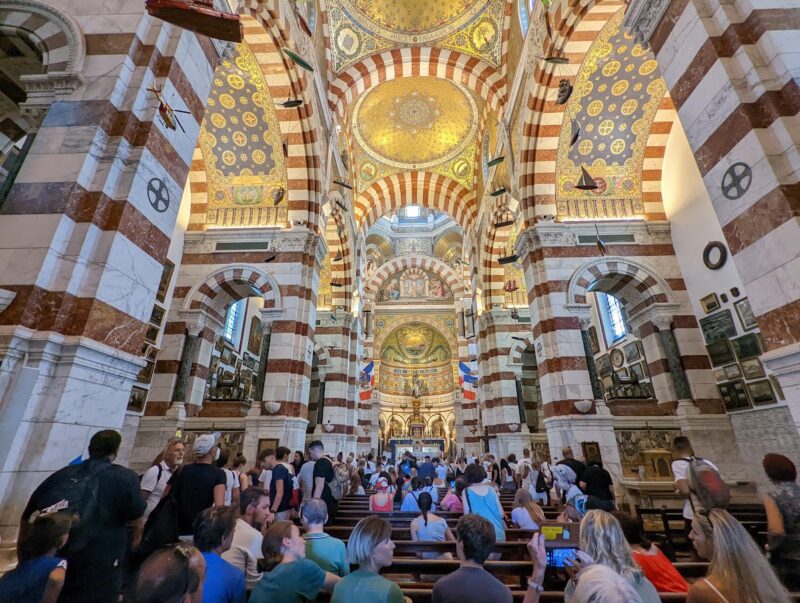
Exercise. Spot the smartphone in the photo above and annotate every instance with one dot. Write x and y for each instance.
(556, 557)
(453, 484)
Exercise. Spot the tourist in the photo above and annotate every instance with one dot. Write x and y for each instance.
(370, 546)
(198, 485)
(213, 534)
(575, 499)
(524, 466)
(255, 473)
(376, 474)
(441, 472)
(267, 464)
(428, 527)
(356, 487)
(570, 461)
(232, 486)
(601, 584)
(535, 482)
(655, 565)
(598, 487)
(370, 467)
(738, 572)
(427, 469)
(39, 574)
(602, 542)
(460, 467)
(281, 485)
(782, 504)
(98, 540)
(494, 470)
(323, 549)
(305, 478)
(399, 490)
(248, 534)
(171, 574)
(406, 464)
(237, 466)
(471, 583)
(452, 500)
(298, 461)
(289, 576)
(431, 489)
(683, 453)
(323, 475)
(382, 501)
(526, 514)
(411, 500)
(508, 482)
(155, 479)
(482, 499)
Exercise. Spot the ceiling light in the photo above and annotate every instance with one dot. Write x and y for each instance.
(586, 182)
(270, 258)
(517, 338)
(303, 25)
(341, 205)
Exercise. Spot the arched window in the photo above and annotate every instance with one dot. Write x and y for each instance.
(233, 319)
(612, 317)
(524, 11)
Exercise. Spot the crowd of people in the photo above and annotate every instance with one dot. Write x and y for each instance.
(213, 531)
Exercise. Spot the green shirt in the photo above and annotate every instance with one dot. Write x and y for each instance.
(363, 585)
(327, 552)
(288, 582)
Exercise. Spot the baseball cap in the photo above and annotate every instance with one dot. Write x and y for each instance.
(205, 442)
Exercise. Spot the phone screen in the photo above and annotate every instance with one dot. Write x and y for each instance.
(555, 557)
(453, 484)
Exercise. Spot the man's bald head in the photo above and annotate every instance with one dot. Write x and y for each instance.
(173, 574)
(567, 452)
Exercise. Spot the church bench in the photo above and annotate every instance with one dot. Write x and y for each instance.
(404, 533)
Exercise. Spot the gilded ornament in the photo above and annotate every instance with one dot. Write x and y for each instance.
(648, 67)
(594, 108)
(621, 87)
(611, 68)
(226, 100)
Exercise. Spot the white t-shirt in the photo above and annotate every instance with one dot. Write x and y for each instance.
(441, 472)
(266, 478)
(374, 478)
(523, 519)
(231, 482)
(306, 479)
(154, 485)
(370, 467)
(245, 551)
(521, 464)
(680, 469)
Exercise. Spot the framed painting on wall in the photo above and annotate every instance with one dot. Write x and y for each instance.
(603, 365)
(746, 347)
(710, 303)
(631, 352)
(591, 451)
(718, 326)
(732, 371)
(166, 277)
(137, 399)
(637, 370)
(719, 375)
(720, 352)
(734, 395)
(617, 358)
(752, 368)
(745, 313)
(157, 315)
(761, 392)
(264, 443)
(256, 335)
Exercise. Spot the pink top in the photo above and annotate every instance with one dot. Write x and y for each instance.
(451, 502)
(388, 507)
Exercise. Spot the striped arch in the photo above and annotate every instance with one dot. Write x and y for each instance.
(518, 348)
(654, 150)
(398, 264)
(574, 24)
(427, 189)
(492, 272)
(56, 35)
(485, 81)
(342, 269)
(635, 285)
(230, 284)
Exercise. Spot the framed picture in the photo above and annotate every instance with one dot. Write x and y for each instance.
(746, 347)
(157, 315)
(622, 373)
(227, 355)
(745, 313)
(166, 277)
(137, 399)
(256, 335)
(637, 370)
(732, 371)
(761, 392)
(264, 443)
(631, 352)
(752, 369)
(718, 326)
(219, 345)
(227, 376)
(608, 382)
(250, 362)
(591, 451)
(617, 358)
(594, 343)
(152, 334)
(152, 352)
(145, 374)
(603, 364)
(734, 395)
(214, 365)
(720, 352)
(719, 375)
(777, 387)
(710, 303)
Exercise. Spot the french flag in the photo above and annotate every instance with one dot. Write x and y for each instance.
(468, 380)
(367, 382)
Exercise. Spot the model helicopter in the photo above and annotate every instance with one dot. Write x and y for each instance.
(165, 111)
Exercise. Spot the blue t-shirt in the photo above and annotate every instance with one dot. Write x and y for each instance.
(281, 474)
(288, 582)
(26, 583)
(224, 583)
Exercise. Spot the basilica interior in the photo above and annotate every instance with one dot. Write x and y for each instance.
(449, 227)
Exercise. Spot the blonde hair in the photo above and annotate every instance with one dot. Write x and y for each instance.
(603, 540)
(737, 561)
(272, 545)
(368, 533)
(524, 499)
(601, 584)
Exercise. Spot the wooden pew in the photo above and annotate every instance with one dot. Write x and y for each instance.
(404, 533)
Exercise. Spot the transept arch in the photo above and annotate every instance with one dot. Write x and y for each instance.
(399, 264)
(229, 284)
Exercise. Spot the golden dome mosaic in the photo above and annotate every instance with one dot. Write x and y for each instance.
(422, 20)
(415, 123)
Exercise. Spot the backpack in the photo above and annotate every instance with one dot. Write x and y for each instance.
(73, 490)
(340, 481)
(706, 485)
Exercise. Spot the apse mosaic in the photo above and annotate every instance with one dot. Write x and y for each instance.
(414, 285)
(359, 28)
(617, 94)
(241, 146)
(415, 123)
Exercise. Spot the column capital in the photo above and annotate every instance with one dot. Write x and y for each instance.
(269, 316)
(660, 315)
(197, 320)
(583, 312)
(643, 16)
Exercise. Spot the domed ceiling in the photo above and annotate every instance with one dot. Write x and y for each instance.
(415, 348)
(415, 123)
(359, 28)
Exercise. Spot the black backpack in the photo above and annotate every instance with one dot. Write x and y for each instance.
(73, 490)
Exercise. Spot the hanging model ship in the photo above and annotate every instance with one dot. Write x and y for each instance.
(198, 16)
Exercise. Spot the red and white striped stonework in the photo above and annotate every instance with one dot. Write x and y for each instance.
(494, 247)
(406, 262)
(731, 71)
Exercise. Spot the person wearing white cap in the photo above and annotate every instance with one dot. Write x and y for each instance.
(199, 485)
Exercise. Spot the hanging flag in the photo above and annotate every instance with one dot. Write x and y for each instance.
(468, 374)
(368, 369)
(468, 389)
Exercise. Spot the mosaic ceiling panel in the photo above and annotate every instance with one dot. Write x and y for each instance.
(241, 145)
(415, 123)
(359, 28)
(617, 94)
(448, 247)
(414, 286)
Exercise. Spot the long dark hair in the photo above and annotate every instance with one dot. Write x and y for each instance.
(398, 493)
(425, 502)
(633, 529)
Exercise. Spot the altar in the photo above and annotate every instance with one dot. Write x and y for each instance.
(419, 448)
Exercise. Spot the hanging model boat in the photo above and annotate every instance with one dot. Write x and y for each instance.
(198, 16)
